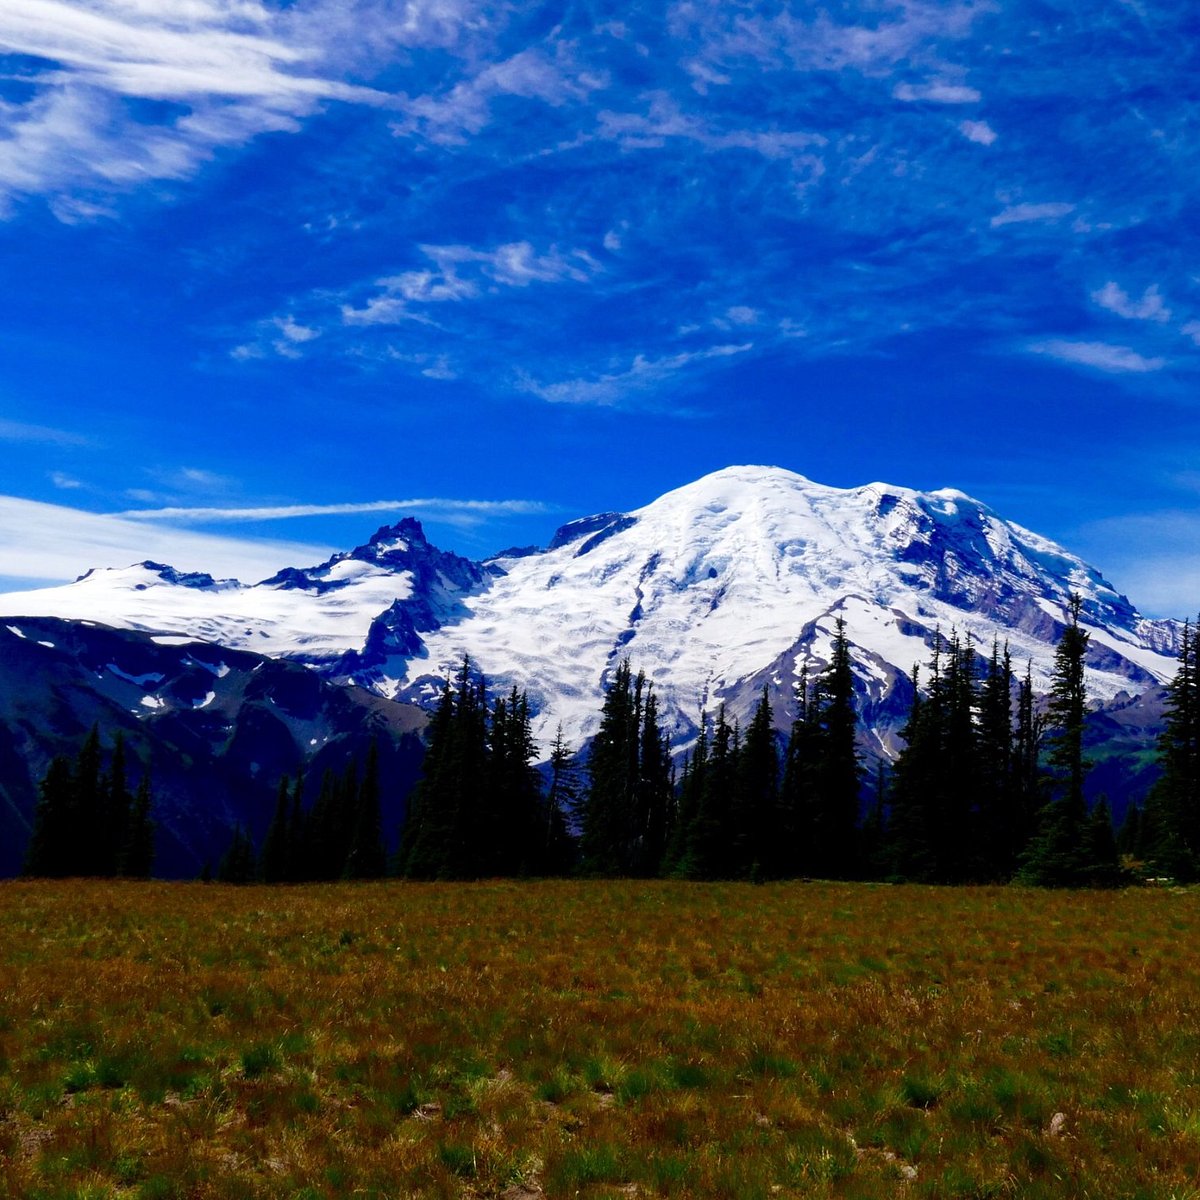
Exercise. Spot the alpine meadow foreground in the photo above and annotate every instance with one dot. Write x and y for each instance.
(597, 1039)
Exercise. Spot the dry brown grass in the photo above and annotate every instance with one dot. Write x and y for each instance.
(595, 1039)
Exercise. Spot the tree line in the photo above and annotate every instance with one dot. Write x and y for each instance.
(88, 821)
(988, 787)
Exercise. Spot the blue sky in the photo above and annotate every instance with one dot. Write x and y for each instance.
(502, 265)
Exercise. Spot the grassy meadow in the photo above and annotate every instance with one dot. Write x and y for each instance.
(592, 1039)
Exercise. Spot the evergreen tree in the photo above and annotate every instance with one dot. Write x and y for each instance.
(445, 836)
(998, 832)
(87, 840)
(710, 852)
(756, 829)
(366, 858)
(1027, 783)
(1064, 851)
(137, 856)
(836, 774)
(915, 781)
(239, 863)
(691, 787)
(48, 854)
(1171, 838)
(608, 841)
(513, 814)
(655, 793)
(275, 856)
(559, 807)
(796, 820)
(115, 803)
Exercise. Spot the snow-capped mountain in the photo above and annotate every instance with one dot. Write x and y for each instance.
(714, 590)
(378, 598)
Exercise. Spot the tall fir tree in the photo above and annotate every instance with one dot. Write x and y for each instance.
(608, 837)
(366, 858)
(446, 834)
(49, 853)
(756, 800)
(796, 820)
(1170, 840)
(1064, 852)
(837, 773)
(709, 852)
(276, 850)
(137, 856)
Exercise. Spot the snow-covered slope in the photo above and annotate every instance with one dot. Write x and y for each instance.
(395, 586)
(715, 590)
(736, 580)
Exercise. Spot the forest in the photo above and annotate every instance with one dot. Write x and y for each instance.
(988, 788)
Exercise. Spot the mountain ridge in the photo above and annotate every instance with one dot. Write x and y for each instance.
(716, 589)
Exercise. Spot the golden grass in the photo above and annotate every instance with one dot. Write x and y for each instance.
(597, 1039)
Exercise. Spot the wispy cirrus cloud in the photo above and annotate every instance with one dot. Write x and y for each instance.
(1101, 356)
(823, 168)
(21, 431)
(118, 93)
(641, 375)
(446, 509)
(1024, 214)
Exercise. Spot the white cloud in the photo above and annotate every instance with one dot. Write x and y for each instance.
(53, 542)
(66, 482)
(664, 119)
(19, 431)
(465, 273)
(1149, 308)
(642, 373)
(232, 69)
(742, 314)
(1102, 356)
(549, 74)
(443, 507)
(1191, 330)
(977, 131)
(937, 92)
(1018, 214)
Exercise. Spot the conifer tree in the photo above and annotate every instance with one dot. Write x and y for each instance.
(796, 820)
(998, 831)
(608, 837)
(655, 794)
(366, 858)
(275, 856)
(48, 854)
(87, 840)
(1063, 852)
(239, 864)
(114, 803)
(559, 807)
(709, 852)
(915, 781)
(1171, 838)
(756, 829)
(445, 836)
(137, 857)
(691, 787)
(837, 774)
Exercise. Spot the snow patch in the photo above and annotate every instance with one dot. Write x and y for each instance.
(140, 680)
(14, 629)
